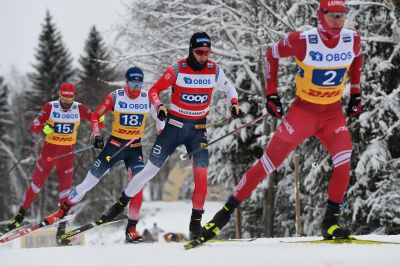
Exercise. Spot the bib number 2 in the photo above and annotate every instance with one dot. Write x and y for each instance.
(328, 77)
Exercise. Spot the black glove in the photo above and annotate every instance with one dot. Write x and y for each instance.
(274, 105)
(235, 110)
(98, 142)
(355, 105)
(162, 112)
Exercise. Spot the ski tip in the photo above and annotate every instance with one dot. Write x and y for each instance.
(193, 244)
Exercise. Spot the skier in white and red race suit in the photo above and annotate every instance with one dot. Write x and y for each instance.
(59, 121)
(193, 81)
(130, 107)
(323, 57)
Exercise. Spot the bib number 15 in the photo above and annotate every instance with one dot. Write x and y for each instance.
(133, 120)
(328, 77)
(61, 128)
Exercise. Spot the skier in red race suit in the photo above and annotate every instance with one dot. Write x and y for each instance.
(193, 81)
(59, 121)
(323, 56)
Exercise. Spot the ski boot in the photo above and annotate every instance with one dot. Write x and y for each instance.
(330, 224)
(195, 224)
(61, 213)
(16, 222)
(220, 219)
(116, 209)
(60, 231)
(131, 235)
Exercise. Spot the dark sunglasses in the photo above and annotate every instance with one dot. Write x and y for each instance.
(201, 52)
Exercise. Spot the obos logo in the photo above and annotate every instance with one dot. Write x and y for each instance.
(194, 98)
(190, 81)
(124, 105)
(56, 115)
(317, 56)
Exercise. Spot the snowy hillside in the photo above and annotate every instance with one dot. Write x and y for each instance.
(105, 247)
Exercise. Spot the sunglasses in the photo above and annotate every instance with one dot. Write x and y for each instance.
(202, 52)
(135, 84)
(335, 15)
(66, 99)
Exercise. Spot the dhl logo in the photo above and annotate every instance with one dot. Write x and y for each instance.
(323, 94)
(62, 138)
(128, 132)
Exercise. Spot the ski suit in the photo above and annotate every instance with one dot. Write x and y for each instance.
(129, 120)
(186, 123)
(60, 141)
(321, 69)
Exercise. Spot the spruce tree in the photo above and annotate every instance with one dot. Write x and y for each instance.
(52, 67)
(95, 71)
(5, 124)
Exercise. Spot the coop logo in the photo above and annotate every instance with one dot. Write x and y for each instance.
(190, 81)
(65, 116)
(194, 98)
(317, 56)
(124, 105)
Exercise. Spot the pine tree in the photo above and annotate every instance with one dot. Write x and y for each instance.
(53, 65)
(96, 71)
(5, 127)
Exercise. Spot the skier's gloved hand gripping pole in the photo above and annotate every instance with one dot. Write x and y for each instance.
(109, 158)
(185, 156)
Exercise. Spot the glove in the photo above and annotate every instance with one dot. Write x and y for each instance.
(274, 105)
(162, 112)
(235, 110)
(47, 129)
(98, 142)
(355, 105)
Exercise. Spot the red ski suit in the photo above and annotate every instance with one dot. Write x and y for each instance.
(321, 115)
(64, 166)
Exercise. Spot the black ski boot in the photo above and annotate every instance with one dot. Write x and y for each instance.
(60, 231)
(220, 219)
(116, 209)
(195, 224)
(131, 235)
(16, 222)
(330, 224)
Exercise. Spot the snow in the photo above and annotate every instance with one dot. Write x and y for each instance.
(105, 247)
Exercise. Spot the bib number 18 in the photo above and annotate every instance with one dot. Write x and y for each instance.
(134, 120)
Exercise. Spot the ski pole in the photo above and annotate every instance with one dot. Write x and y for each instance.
(185, 156)
(83, 154)
(109, 158)
(49, 159)
(25, 154)
(218, 121)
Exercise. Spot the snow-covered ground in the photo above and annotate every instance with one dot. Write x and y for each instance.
(105, 247)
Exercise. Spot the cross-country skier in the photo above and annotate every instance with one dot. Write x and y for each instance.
(59, 121)
(192, 80)
(323, 56)
(130, 107)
